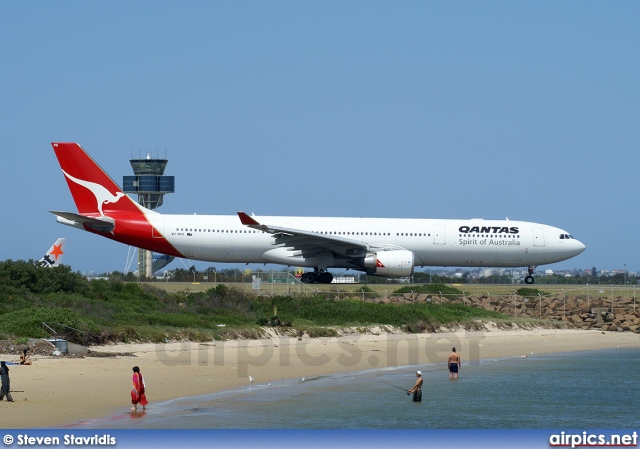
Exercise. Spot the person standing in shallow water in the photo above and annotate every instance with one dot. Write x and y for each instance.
(454, 364)
(6, 385)
(138, 390)
(417, 388)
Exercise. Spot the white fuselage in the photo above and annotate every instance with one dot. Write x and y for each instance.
(463, 242)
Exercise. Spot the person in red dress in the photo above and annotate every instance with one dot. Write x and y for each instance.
(138, 390)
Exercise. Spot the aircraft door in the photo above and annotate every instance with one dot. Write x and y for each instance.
(438, 234)
(538, 237)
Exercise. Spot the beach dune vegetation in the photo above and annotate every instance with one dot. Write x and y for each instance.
(109, 310)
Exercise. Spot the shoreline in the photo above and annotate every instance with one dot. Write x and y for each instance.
(63, 391)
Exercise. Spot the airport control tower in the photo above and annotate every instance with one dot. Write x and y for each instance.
(151, 185)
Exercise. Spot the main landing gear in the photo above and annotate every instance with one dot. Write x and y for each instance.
(317, 277)
(529, 278)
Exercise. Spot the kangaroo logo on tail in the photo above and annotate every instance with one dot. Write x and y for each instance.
(103, 196)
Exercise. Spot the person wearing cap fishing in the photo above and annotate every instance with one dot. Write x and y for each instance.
(417, 388)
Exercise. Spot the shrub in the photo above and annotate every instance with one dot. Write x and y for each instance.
(434, 289)
(528, 291)
(28, 322)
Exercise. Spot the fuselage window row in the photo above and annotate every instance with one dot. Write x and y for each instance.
(216, 230)
(398, 234)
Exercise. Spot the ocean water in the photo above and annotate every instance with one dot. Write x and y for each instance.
(592, 389)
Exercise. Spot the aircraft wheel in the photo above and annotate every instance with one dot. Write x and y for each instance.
(308, 278)
(528, 280)
(325, 278)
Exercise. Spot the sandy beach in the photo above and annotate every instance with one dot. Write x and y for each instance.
(61, 391)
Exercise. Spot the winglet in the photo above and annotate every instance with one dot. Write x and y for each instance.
(247, 220)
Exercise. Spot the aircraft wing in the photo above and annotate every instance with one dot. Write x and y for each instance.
(308, 243)
(102, 224)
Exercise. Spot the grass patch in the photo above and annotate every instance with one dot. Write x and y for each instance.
(107, 310)
(324, 312)
(530, 292)
(434, 289)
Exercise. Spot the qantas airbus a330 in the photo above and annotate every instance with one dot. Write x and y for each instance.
(390, 247)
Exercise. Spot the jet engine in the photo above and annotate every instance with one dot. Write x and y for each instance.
(396, 263)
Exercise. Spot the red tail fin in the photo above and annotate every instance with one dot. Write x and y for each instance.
(93, 191)
(103, 208)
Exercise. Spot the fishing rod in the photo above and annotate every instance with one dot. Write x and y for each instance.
(400, 388)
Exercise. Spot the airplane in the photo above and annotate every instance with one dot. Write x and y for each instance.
(389, 247)
(53, 257)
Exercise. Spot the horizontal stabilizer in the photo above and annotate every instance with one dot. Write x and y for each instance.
(101, 224)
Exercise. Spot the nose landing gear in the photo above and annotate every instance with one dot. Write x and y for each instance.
(529, 278)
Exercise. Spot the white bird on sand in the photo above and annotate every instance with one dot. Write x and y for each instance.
(303, 379)
(250, 379)
(523, 356)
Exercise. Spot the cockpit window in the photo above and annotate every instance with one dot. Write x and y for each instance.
(566, 236)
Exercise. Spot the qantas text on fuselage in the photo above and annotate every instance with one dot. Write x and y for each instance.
(390, 247)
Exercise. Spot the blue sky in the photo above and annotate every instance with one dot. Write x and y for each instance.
(420, 109)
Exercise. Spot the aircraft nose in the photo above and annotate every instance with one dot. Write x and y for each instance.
(579, 247)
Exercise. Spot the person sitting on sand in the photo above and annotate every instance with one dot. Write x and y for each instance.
(24, 358)
(138, 390)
